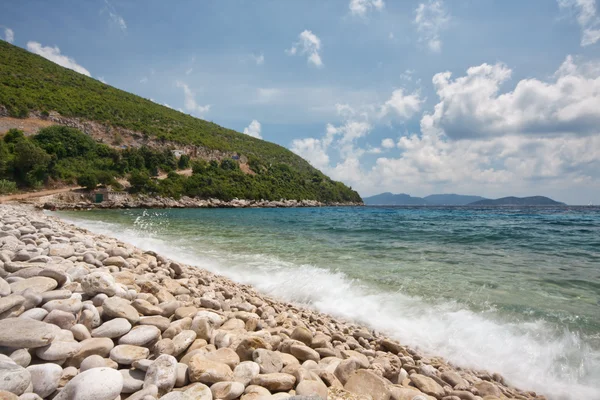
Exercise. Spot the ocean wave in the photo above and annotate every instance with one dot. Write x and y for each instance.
(532, 355)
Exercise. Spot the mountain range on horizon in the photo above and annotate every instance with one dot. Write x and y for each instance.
(402, 199)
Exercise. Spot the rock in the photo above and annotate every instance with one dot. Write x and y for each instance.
(63, 250)
(72, 306)
(197, 391)
(59, 276)
(21, 357)
(454, 379)
(224, 355)
(304, 353)
(25, 332)
(35, 313)
(161, 323)
(37, 284)
(162, 373)
(246, 347)
(427, 385)
(276, 382)
(118, 252)
(98, 346)
(93, 384)
(141, 335)
(13, 377)
(390, 345)
(227, 390)
(182, 375)
(182, 341)
(117, 261)
(45, 378)
(113, 328)
(67, 374)
(268, 361)
(58, 350)
(245, 371)
(96, 361)
(5, 395)
(4, 288)
(62, 319)
(163, 346)
(126, 354)
(487, 389)
(303, 335)
(116, 307)
(8, 302)
(99, 282)
(208, 372)
(368, 383)
(312, 388)
(401, 393)
(146, 308)
(133, 380)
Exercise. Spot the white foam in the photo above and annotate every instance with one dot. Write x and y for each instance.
(530, 355)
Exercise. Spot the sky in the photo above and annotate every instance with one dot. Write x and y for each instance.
(483, 97)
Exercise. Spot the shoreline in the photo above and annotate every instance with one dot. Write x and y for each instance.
(296, 349)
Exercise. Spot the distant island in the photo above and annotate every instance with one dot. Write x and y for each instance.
(402, 199)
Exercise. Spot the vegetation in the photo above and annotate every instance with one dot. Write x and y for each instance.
(59, 153)
(31, 83)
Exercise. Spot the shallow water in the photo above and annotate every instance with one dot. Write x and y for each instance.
(510, 290)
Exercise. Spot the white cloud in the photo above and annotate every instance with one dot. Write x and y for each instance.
(431, 18)
(190, 100)
(53, 54)
(144, 80)
(585, 11)
(308, 44)
(388, 143)
(404, 106)
(115, 18)
(361, 7)
(471, 105)
(542, 137)
(9, 35)
(101, 79)
(259, 59)
(189, 71)
(253, 129)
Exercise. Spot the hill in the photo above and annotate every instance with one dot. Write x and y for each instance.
(451, 199)
(30, 84)
(519, 201)
(389, 199)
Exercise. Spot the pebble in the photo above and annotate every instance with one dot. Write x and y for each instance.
(13, 377)
(113, 328)
(141, 335)
(25, 332)
(45, 378)
(162, 373)
(93, 384)
(116, 307)
(126, 354)
(227, 390)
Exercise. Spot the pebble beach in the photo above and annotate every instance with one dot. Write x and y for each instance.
(85, 316)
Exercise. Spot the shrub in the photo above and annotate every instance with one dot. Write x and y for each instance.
(88, 180)
(7, 186)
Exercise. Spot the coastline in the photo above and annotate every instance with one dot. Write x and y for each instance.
(309, 352)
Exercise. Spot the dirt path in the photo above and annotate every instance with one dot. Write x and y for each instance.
(41, 193)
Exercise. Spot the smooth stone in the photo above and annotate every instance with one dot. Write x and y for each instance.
(93, 384)
(99, 282)
(13, 377)
(21, 357)
(268, 361)
(62, 250)
(303, 335)
(304, 353)
(126, 354)
(117, 261)
(245, 371)
(4, 288)
(224, 355)
(146, 308)
(99, 346)
(276, 382)
(58, 350)
(227, 390)
(60, 294)
(72, 306)
(312, 388)
(116, 307)
(182, 375)
(160, 322)
(80, 332)
(208, 372)
(96, 361)
(141, 335)
(112, 329)
(133, 380)
(25, 332)
(59, 276)
(162, 373)
(11, 301)
(45, 378)
(35, 313)
(427, 385)
(367, 383)
(38, 284)
(182, 341)
(62, 319)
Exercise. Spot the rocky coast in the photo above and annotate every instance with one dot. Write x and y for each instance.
(84, 316)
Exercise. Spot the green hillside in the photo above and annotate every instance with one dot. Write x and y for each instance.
(29, 82)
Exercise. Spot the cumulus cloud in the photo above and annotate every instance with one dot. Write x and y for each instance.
(431, 18)
(361, 7)
(471, 106)
(190, 100)
(144, 80)
(259, 59)
(402, 105)
(253, 129)
(308, 44)
(53, 54)
(541, 137)
(101, 79)
(9, 35)
(585, 13)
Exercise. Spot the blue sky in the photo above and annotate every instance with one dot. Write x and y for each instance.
(471, 96)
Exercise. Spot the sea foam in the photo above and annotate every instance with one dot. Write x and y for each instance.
(530, 355)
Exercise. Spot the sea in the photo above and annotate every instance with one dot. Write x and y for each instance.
(514, 290)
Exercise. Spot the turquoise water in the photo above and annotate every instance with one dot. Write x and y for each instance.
(512, 290)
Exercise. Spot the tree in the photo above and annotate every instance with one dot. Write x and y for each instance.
(30, 163)
(184, 162)
(88, 180)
